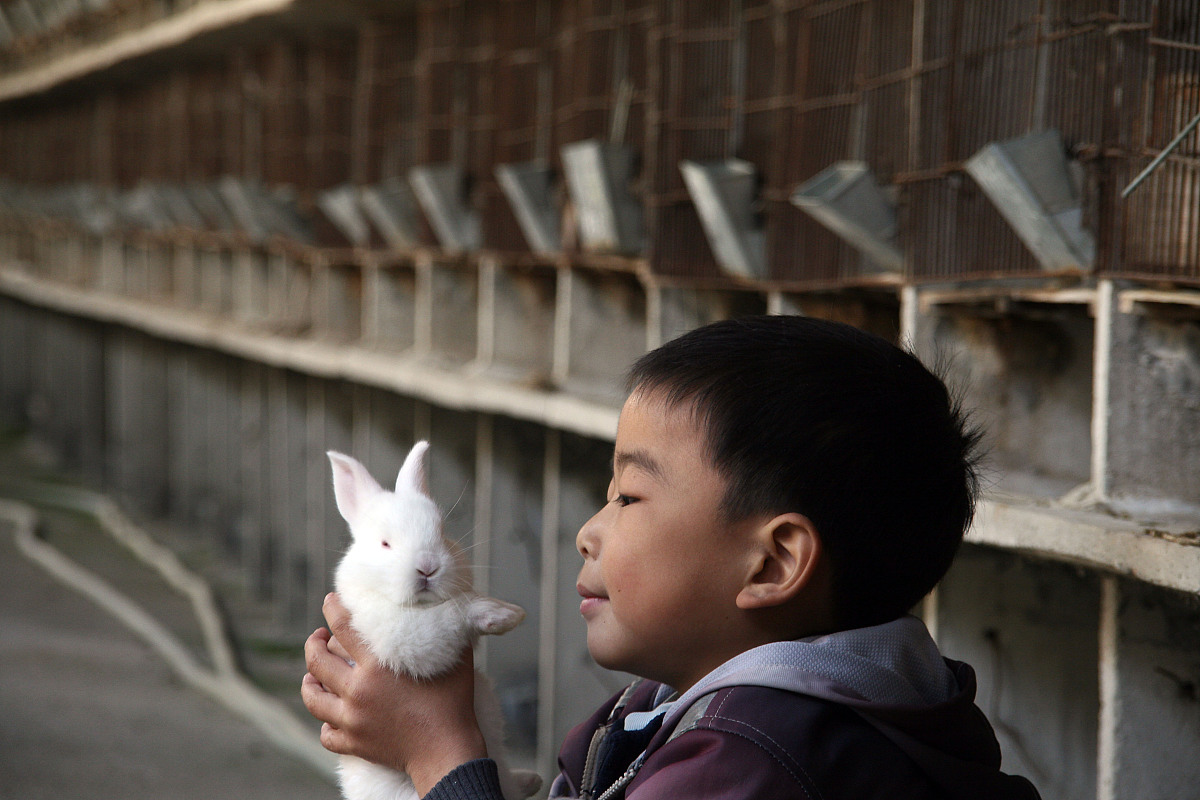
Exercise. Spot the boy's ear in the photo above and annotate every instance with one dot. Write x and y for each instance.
(788, 562)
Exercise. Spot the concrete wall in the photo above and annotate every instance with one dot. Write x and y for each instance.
(1150, 677)
(1030, 630)
(1075, 600)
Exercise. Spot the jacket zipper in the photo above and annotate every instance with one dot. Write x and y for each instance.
(598, 737)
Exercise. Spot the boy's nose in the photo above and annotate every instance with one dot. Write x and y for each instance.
(587, 541)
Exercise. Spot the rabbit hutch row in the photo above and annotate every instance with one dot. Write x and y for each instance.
(237, 233)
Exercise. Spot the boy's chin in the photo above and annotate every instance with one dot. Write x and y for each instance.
(615, 662)
(604, 657)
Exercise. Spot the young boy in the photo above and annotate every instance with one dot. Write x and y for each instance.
(784, 490)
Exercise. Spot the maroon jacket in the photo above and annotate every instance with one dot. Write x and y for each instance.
(867, 713)
(766, 743)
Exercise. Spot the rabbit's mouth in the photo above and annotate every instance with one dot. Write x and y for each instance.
(426, 591)
(427, 598)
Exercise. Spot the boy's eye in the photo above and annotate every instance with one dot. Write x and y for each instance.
(624, 500)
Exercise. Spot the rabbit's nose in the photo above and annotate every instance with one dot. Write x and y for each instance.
(427, 568)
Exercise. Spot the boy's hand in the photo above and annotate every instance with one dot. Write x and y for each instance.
(423, 728)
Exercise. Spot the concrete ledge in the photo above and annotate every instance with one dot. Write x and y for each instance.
(459, 389)
(174, 30)
(1164, 558)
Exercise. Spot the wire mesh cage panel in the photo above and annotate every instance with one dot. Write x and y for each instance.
(204, 161)
(700, 62)
(912, 89)
(41, 146)
(1078, 100)
(392, 109)
(591, 61)
(480, 61)
(329, 79)
(283, 114)
(439, 98)
(138, 154)
(943, 218)
(523, 112)
(1159, 221)
(441, 119)
(819, 117)
(605, 60)
(989, 73)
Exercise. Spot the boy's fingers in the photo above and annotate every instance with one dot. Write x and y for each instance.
(329, 670)
(321, 703)
(335, 647)
(334, 740)
(310, 685)
(339, 623)
(320, 633)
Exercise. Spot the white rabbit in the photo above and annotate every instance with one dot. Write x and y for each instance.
(408, 593)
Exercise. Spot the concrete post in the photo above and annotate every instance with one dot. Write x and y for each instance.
(1152, 436)
(287, 512)
(423, 307)
(577, 474)
(682, 309)
(453, 306)
(608, 307)
(185, 275)
(548, 712)
(389, 305)
(523, 323)
(215, 282)
(136, 446)
(452, 460)
(15, 364)
(66, 396)
(337, 301)
(514, 492)
(111, 275)
(250, 286)
(252, 514)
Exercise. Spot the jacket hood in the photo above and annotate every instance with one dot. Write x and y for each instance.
(894, 664)
(894, 677)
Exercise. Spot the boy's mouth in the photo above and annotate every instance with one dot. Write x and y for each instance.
(591, 600)
(587, 593)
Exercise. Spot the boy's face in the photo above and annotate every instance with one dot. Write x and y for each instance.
(661, 565)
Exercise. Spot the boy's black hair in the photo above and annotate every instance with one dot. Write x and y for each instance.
(840, 425)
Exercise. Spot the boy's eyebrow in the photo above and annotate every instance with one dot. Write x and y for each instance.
(642, 460)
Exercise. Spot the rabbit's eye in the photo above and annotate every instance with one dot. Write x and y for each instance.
(387, 545)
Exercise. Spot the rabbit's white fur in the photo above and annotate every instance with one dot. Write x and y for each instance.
(409, 595)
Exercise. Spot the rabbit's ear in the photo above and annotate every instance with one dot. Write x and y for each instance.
(412, 474)
(352, 486)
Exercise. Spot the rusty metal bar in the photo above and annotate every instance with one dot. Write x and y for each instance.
(1153, 165)
(1171, 43)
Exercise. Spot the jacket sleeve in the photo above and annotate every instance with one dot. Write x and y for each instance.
(474, 780)
(710, 764)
